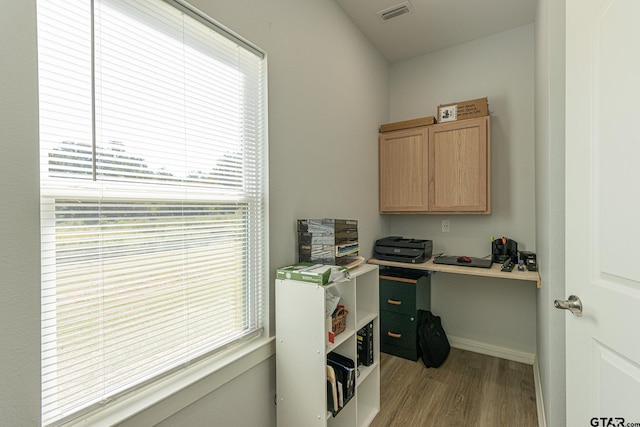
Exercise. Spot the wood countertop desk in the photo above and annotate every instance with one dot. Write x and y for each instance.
(494, 271)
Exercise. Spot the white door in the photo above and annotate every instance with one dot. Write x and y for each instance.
(603, 211)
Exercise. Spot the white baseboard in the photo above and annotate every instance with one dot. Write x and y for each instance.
(542, 421)
(491, 350)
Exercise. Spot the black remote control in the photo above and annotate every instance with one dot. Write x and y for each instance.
(508, 265)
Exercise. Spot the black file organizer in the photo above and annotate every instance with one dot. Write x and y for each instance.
(345, 373)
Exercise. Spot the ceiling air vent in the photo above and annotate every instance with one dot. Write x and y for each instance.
(395, 11)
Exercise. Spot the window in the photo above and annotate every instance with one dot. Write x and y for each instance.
(153, 159)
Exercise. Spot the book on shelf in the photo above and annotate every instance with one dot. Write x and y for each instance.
(332, 391)
(365, 345)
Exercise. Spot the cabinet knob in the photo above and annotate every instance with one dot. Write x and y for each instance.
(394, 302)
(394, 335)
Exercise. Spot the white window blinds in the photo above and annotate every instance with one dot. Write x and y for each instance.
(153, 195)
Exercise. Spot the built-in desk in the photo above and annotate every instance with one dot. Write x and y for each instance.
(494, 271)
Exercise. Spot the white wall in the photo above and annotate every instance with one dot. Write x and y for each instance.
(241, 402)
(501, 67)
(19, 217)
(550, 199)
(328, 92)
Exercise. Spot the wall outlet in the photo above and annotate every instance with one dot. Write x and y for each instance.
(445, 225)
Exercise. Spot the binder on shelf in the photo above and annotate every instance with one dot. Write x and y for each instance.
(365, 345)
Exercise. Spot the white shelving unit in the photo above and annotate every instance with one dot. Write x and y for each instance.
(302, 347)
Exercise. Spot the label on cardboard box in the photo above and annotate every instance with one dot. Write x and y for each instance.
(448, 113)
(463, 110)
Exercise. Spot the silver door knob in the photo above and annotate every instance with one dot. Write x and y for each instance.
(573, 304)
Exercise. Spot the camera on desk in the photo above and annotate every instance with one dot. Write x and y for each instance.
(504, 249)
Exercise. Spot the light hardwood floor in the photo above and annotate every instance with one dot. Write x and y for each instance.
(469, 389)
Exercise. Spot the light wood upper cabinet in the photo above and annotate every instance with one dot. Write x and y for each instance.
(443, 168)
(403, 172)
(459, 167)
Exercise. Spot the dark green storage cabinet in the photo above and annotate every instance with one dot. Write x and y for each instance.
(402, 293)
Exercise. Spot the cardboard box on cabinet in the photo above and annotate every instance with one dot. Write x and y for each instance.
(463, 110)
(407, 124)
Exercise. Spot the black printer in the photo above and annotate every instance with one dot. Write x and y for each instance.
(396, 248)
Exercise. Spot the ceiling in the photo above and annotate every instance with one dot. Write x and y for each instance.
(434, 24)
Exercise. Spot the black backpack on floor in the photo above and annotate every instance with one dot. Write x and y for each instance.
(432, 341)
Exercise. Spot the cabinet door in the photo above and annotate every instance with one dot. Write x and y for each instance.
(403, 170)
(458, 168)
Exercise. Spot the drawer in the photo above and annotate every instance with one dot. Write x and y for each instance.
(398, 295)
(398, 330)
